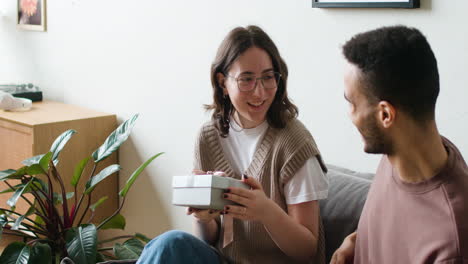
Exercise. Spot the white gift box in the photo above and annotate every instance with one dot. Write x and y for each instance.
(203, 191)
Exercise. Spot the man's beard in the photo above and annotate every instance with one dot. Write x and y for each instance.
(375, 141)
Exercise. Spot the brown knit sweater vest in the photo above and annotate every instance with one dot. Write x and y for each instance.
(280, 154)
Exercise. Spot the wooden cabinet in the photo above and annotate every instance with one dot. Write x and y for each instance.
(24, 134)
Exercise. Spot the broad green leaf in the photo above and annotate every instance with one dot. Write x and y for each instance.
(6, 174)
(116, 222)
(32, 160)
(58, 199)
(135, 175)
(14, 198)
(35, 169)
(15, 253)
(142, 237)
(79, 171)
(44, 162)
(41, 254)
(82, 244)
(60, 142)
(114, 140)
(98, 203)
(91, 184)
(21, 171)
(131, 249)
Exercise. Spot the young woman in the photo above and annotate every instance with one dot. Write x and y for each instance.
(254, 136)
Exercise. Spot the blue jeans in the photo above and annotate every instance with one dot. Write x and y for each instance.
(178, 247)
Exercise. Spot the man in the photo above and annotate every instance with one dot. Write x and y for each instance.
(416, 208)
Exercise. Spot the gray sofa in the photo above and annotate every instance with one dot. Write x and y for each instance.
(341, 211)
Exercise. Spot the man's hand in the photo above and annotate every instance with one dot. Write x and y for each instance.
(345, 253)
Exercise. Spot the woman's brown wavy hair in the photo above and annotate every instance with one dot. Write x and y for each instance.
(237, 42)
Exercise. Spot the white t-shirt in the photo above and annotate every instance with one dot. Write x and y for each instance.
(309, 183)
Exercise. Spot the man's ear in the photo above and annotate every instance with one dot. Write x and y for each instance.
(221, 79)
(386, 114)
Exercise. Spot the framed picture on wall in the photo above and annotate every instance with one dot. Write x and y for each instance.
(366, 3)
(32, 15)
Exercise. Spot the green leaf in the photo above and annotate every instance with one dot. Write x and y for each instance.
(21, 172)
(98, 203)
(79, 171)
(15, 253)
(8, 190)
(20, 219)
(32, 160)
(31, 210)
(82, 244)
(40, 184)
(142, 237)
(135, 175)
(60, 142)
(12, 174)
(3, 222)
(116, 222)
(35, 169)
(6, 174)
(100, 257)
(39, 221)
(14, 198)
(91, 184)
(17, 223)
(3, 219)
(44, 162)
(131, 249)
(115, 139)
(58, 199)
(41, 254)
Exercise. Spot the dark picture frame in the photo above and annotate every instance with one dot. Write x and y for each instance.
(365, 4)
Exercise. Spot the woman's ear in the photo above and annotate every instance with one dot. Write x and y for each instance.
(221, 81)
(386, 114)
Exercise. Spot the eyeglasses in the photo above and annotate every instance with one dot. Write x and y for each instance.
(248, 82)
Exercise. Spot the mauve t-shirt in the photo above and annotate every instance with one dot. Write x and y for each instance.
(416, 223)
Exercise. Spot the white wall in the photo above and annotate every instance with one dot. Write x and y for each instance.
(153, 58)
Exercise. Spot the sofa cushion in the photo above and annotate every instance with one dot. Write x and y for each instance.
(340, 212)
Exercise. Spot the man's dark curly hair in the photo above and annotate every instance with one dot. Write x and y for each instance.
(397, 65)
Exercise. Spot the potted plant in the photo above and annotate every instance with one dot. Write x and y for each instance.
(53, 228)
